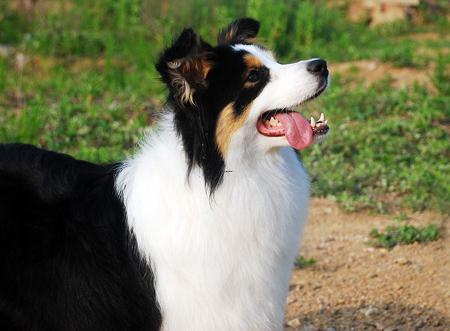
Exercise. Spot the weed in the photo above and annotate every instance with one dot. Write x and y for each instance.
(404, 234)
(403, 55)
(302, 262)
(402, 217)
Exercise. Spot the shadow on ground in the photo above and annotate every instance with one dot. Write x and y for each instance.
(381, 317)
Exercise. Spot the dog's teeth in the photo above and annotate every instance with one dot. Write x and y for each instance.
(313, 122)
(322, 117)
(279, 124)
(273, 121)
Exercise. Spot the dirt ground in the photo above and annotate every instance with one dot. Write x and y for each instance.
(356, 287)
(367, 72)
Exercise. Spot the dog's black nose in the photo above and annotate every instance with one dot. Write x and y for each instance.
(317, 67)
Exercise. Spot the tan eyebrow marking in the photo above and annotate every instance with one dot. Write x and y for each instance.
(252, 61)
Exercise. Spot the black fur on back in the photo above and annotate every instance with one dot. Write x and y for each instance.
(68, 261)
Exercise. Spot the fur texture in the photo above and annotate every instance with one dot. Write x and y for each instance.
(68, 261)
(197, 232)
(222, 263)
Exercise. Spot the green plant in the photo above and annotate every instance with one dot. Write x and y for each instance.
(403, 55)
(402, 217)
(404, 234)
(302, 262)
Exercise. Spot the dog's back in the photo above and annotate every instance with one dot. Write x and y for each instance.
(67, 260)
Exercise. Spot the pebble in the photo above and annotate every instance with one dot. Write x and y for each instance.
(379, 326)
(402, 261)
(329, 239)
(369, 311)
(291, 299)
(294, 323)
(398, 286)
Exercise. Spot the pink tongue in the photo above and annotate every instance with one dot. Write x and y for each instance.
(298, 131)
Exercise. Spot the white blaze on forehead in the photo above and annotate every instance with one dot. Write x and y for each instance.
(264, 55)
(289, 84)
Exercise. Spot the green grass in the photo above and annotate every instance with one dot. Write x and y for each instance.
(89, 85)
(387, 146)
(404, 234)
(302, 262)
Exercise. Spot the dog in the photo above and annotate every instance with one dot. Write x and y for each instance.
(196, 232)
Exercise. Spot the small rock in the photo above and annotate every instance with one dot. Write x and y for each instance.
(330, 329)
(340, 301)
(369, 311)
(291, 299)
(310, 328)
(294, 323)
(402, 261)
(329, 239)
(373, 275)
(398, 286)
(327, 210)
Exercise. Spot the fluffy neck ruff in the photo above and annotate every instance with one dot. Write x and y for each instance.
(225, 260)
(197, 132)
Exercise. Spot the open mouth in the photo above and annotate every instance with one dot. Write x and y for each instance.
(299, 132)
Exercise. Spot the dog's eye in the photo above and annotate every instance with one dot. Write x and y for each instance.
(253, 76)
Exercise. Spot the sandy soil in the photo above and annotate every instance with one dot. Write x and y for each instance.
(356, 287)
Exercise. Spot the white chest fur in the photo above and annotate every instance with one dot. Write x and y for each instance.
(221, 263)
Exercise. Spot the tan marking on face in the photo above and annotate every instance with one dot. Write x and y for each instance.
(251, 62)
(227, 125)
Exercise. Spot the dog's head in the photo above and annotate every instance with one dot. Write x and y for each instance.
(236, 97)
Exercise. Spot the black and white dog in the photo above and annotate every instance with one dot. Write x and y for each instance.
(197, 232)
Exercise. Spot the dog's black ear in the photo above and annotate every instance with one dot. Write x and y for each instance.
(184, 65)
(241, 31)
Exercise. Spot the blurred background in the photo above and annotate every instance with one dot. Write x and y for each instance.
(78, 76)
